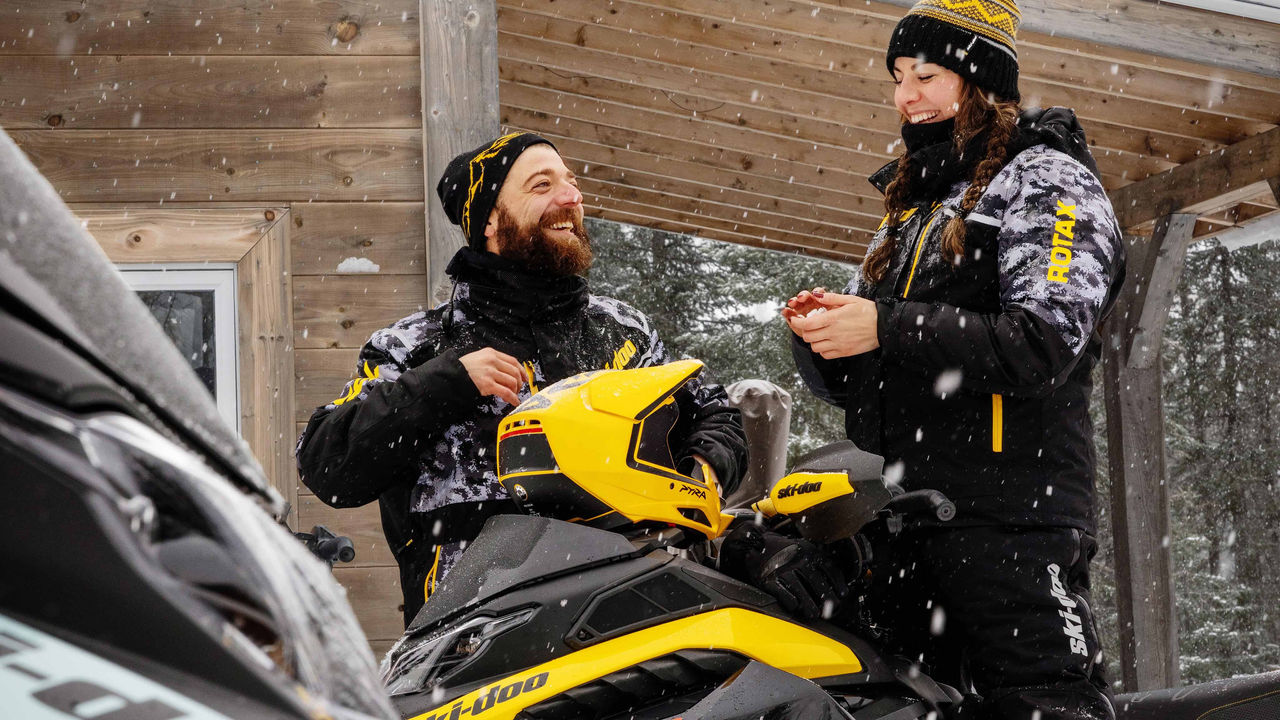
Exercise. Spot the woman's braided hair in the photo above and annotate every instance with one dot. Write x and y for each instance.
(977, 113)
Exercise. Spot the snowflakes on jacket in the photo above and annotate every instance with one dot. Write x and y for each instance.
(1056, 236)
(456, 465)
(1058, 240)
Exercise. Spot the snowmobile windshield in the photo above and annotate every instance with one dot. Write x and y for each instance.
(82, 297)
(323, 647)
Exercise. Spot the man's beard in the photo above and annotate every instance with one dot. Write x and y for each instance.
(541, 252)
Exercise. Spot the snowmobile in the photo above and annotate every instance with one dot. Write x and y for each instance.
(144, 572)
(601, 601)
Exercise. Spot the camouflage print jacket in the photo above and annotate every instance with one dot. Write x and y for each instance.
(412, 431)
(980, 387)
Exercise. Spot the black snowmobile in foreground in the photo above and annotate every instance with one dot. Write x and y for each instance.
(601, 603)
(143, 572)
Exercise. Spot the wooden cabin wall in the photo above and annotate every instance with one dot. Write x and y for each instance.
(315, 107)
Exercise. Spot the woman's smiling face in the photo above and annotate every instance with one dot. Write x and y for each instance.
(925, 92)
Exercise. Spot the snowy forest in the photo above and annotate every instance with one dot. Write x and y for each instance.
(719, 303)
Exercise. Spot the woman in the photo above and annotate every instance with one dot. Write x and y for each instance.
(962, 352)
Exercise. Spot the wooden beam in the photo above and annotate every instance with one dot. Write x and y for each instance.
(221, 27)
(1148, 622)
(145, 91)
(460, 106)
(648, 220)
(1234, 174)
(858, 119)
(266, 358)
(152, 234)
(270, 166)
(1259, 231)
(1157, 28)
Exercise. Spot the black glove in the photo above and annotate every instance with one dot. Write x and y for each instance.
(796, 572)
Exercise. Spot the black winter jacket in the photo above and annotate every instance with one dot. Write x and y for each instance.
(413, 432)
(980, 387)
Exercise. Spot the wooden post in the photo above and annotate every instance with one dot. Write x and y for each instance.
(1148, 622)
(459, 107)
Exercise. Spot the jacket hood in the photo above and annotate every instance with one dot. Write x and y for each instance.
(1057, 128)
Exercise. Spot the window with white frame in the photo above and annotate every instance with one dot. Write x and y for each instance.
(196, 307)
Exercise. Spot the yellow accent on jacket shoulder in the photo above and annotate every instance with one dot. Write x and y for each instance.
(353, 389)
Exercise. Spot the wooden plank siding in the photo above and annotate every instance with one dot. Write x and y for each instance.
(186, 131)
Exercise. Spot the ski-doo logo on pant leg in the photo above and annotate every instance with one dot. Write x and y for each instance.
(801, 489)
(1073, 626)
(1063, 235)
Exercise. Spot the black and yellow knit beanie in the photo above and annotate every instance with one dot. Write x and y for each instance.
(974, 38)
(469, 187)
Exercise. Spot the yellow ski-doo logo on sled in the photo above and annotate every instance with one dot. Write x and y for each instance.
(496, 695)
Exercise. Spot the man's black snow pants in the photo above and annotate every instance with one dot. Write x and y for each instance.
(1000, 611)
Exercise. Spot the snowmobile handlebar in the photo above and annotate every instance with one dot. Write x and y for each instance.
(327, 546)
(923, 502)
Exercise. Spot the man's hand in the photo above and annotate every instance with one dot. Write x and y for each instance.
(796, 572)
(495, 373)
(804, 302)
(847, 328)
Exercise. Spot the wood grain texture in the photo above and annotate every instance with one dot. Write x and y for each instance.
(779, 84)
(739, 28)
(1178, 32)
(460, 104)
(343, 311)
(570, 139)
(374, 594)
(266, 358)
(320, 376)
(1234, 174)
(363, 525)
(149, 92)
(390, 236)
(228, 165)
(213, 27)
(617, 125)
(147, 233)
(840, 122)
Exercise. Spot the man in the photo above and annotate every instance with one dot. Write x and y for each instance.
(416, 429)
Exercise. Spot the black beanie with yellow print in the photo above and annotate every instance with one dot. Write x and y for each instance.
(469, 187)
(973, 38)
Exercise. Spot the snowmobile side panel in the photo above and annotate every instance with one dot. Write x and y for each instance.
(513, 550)
(781, 644)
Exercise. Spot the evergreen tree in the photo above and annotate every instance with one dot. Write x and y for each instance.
(720, 303)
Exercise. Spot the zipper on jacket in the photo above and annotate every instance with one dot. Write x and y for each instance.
(997, 423)
(919, 247)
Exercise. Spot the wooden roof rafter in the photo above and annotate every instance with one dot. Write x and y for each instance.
(759, 122)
